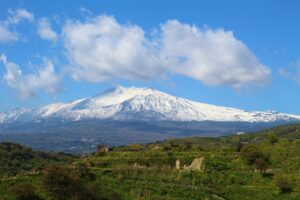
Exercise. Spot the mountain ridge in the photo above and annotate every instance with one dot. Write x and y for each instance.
(120, 103)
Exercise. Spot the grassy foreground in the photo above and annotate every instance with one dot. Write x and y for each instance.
(264, 165)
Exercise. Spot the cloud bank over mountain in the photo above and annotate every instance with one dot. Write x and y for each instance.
(102, 49)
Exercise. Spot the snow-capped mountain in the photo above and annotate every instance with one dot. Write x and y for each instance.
(132, 103)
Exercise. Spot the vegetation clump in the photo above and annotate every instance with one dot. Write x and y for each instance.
(273, 138)
(254, 156)
(284, 184)
(25, 191)
(63, 183)
(135, 147)
(15, 159)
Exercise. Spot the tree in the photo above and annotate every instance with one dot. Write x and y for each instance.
(254, 156)
(188, 145)
(84, 172)
(173, 143)
(262, 163)
(166, 148)
(25, 191)
(273, 138)
(239, 145)
(250, 153)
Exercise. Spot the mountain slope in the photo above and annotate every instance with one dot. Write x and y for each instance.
(139, 104)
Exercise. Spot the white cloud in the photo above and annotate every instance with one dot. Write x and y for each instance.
(27, 85)
(85, 11)
(291, 72)
(45, 31)
(214, 57)
(102, 49)
(6, 35)
(18, 15)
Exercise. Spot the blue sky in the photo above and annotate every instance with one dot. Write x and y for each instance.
(243, 54)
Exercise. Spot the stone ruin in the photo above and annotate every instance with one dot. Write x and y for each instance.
(177, 162)
(137, 166)
(196, 165)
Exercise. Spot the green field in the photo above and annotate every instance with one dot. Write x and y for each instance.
(263, 165)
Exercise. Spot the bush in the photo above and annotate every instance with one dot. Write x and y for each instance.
(262, 163)
(135, 147)
(84, 172)
(272, 137)
(115, 196)
(254, 156)
(173, 143)
(284, 184)
(239, 146)
(61, 183)
(25, 191)
(64, 183)
(93, 191)
(166, 148)
(250, 153)
(188, 145)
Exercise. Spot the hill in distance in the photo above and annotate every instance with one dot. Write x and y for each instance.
(121, 116)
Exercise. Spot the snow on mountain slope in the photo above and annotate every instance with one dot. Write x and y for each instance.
(140, 104)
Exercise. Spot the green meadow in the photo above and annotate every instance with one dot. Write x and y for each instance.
(262, 165)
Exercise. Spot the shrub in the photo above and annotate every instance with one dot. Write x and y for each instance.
(254, 156)
(262, 163)
(115, 196)
(166, 148)
(173, 143)
(64, 183)
(188, 145)
(272, 137)
(84, 172)
(25, 191)
(135, 147)
(239, 146)
(60, 182)
(93, 191)
(250, 153)
(284, 184)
